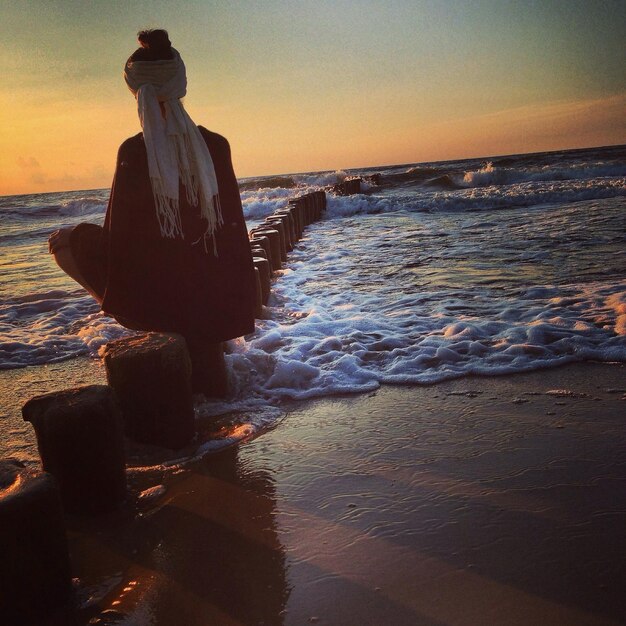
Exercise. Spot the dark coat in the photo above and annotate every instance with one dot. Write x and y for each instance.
(160, 284)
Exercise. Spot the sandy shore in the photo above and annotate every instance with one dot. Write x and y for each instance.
(477, 501)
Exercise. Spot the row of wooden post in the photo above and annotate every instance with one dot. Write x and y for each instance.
(276, 237)
(80, 433)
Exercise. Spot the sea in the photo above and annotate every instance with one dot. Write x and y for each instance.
(483, 266)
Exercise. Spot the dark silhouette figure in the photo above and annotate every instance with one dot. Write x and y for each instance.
(201, 286)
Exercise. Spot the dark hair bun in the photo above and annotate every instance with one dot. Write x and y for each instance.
(155, 46)
(156, 39)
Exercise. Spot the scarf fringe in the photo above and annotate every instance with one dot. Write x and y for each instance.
(168, 212)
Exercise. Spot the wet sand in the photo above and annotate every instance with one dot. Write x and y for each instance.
(477, 501)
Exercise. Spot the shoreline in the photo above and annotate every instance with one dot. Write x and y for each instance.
(477, 500)
(244, 179)
(22, 384)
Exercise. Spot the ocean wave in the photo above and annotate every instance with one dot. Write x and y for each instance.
(479, 198)
(489, 175)
(321, 179)
(267, 182)
(79, 207)
(54, 330)
(359, 204)
(50, 326)
(260, 203)
(446, 181)
(18, 213)
(339, 346)
(412, 175)
(527, 194)
(405, 300)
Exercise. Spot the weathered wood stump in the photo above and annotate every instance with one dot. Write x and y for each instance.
(263, 267)
(353, 185)
(315, 206)
(277, 224)
(289, 230)
(301, 207)
(288, 213)
(258, 302)
(320, 197)
(297, 208)
(309, 203)
(281, 221)
(306, 213)
(275, 244)
(348, 187)
(151, 376)
(34, 565)
(257, 239)
(258, 251)
(81, 443)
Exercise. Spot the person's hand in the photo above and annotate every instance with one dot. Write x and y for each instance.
(59, 239)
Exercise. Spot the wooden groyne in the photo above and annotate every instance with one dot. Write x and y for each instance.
(80, 432)
(354, 184)
(280, 231)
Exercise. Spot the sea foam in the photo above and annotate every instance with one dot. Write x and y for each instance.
(422, 279)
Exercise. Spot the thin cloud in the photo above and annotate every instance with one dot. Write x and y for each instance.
(551, 111)
(28, 163)
(529, 128)
(32, 169)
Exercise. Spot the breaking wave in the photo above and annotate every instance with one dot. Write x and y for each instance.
(490, 175)
(480, 198)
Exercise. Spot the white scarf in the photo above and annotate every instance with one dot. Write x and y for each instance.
(176, 149)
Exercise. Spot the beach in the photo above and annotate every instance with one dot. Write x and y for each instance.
(495, 500)
(426, 426)
(313, 314)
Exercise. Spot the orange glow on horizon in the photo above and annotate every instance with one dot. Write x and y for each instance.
(66, 146)
(313, 88)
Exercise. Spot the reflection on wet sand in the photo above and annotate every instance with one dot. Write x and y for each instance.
(477, 501)
(480, 501)
(209, 554)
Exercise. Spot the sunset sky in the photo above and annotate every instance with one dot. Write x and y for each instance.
(310, 85)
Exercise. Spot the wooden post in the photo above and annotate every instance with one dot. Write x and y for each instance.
(310, 209)
(288, 213)
(277, 225)
(264, 242)
(263, 267)
(274, 237)
(258, 251)
(297, 208)
(151, 376)
(35, 567)
(81, 443)
(258, 308)
(283, 220)
(209, 375)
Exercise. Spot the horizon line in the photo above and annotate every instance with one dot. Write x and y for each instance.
(358, 167)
